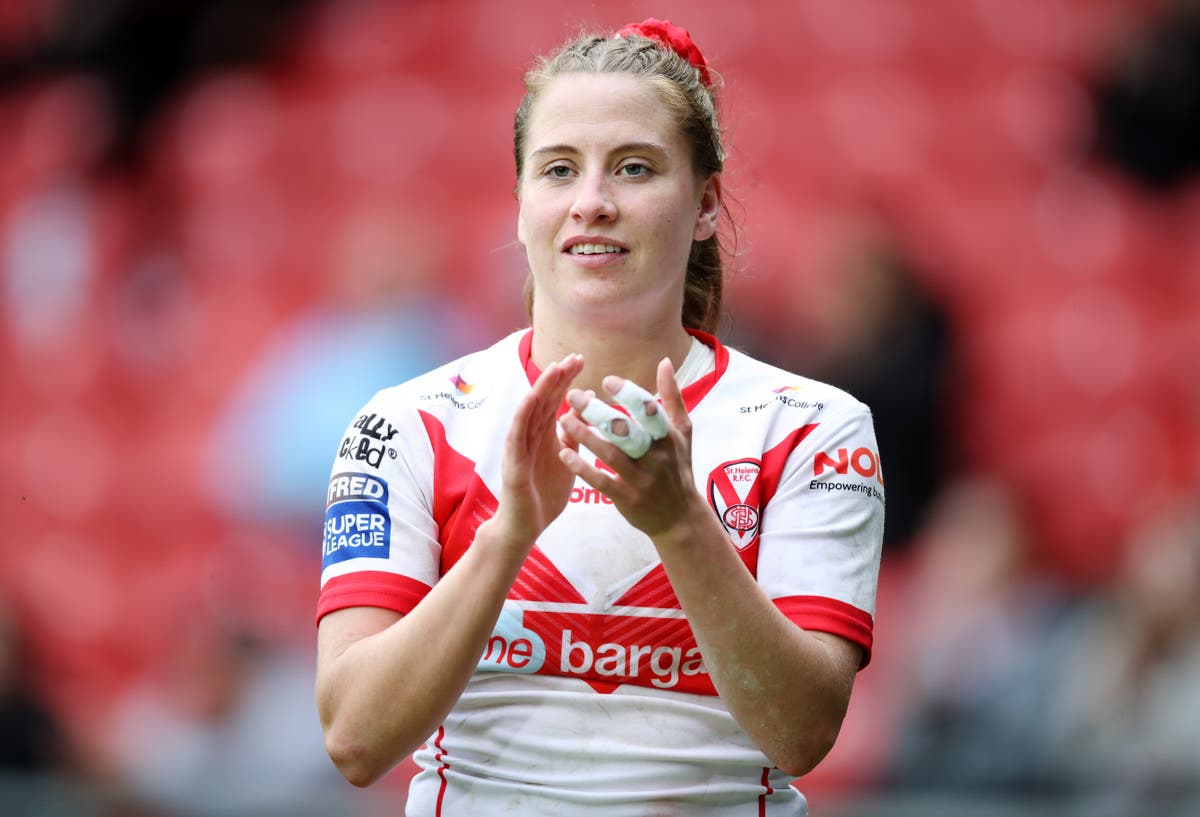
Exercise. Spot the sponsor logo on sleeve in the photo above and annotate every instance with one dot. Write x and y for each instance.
(787, 396)
(458, 396)
(363, 449)
(375, 427)
(356, 486)
(357, 523)
(861, 462)
(370, 444)
(733, 492)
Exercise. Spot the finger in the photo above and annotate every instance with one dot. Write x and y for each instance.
(583, 435)
(589, 473)
(635, 442)
(642, 406)
(572, 366)
(565, 440)
(556, 377)
(551, 387)
(672, 397)
(542, 402)
(517, 441)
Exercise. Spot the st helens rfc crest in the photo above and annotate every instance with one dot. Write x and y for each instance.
(733, 492)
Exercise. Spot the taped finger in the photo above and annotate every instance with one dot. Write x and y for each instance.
(634, 398)
(635, 442)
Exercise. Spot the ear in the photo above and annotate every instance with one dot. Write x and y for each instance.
(520, 224)
(711, 196)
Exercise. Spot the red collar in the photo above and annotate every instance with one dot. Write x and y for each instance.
(693, 393)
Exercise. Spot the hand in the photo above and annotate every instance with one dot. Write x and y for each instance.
(634, 432)
(655, 491)
(536, 485)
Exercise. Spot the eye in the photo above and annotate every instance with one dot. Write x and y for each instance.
(634, 170)
(558, 171)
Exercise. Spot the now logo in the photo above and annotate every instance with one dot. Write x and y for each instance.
(864, 461)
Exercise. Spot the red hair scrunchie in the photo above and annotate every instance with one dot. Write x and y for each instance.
(673, 37)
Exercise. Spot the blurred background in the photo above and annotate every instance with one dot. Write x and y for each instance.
(225, 223)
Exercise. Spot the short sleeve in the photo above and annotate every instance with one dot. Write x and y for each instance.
(822, 530)
(380, 541)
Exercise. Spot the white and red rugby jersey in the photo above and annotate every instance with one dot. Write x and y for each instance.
(591, 697)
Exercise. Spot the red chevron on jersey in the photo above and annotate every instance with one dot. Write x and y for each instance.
(652, 590)
(540, 580)
(776, 458)
(461, 501)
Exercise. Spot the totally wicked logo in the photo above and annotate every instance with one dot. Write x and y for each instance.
(370, 444)
(734, 493)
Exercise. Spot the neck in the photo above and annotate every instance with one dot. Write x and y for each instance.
(632, 354)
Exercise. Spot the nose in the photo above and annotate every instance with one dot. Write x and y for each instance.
(593, 201)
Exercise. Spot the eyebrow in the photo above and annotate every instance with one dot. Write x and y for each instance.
(628, 147)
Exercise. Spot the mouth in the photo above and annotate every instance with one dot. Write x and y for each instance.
(595, 249)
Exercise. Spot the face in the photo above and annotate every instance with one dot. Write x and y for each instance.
(610, 201)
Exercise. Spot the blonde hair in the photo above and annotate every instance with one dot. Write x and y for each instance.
(693, 105)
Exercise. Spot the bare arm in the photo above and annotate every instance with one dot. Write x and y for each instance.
(382, 685)
(788, 688)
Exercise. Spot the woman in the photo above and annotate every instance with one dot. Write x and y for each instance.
(660, 613)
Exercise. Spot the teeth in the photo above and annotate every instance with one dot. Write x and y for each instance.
(593, 249)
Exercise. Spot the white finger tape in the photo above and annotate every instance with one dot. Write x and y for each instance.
(601, 415)
(634, 398)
